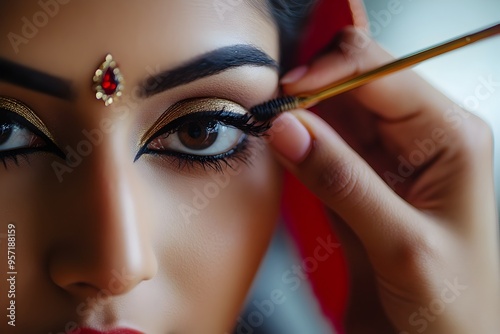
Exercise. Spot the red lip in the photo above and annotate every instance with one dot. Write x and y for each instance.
(114, 331)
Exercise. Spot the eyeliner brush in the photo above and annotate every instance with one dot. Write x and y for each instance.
(270, 109)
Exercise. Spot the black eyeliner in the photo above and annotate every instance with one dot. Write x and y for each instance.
(11, 118)
(241, 122)
(214, 162)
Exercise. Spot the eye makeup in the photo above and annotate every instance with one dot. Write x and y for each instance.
(19, 108)
(22, 132)
(191, 106)
(195, 118)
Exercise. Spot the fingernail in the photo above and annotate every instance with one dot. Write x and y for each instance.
(294, 75)
(291, 139)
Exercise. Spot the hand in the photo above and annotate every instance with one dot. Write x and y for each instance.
(407, 176)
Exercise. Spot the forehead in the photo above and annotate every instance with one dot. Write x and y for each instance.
(69, 36)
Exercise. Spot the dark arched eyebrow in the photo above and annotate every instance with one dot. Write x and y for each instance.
(24, 76)
(208, 64)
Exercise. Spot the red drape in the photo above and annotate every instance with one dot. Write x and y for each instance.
(303, 212)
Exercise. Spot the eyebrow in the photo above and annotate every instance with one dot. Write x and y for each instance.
(36, 80)
(208, 64)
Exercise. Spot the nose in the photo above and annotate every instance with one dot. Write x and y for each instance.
(105, 243)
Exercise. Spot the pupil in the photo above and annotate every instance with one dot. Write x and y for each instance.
(198, 135)
(194, 130)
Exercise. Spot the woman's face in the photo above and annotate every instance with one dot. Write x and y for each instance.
(164, 241)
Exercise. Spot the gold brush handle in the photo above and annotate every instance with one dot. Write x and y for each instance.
(308, 100)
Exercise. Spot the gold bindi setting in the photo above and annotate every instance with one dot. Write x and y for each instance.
(108, 81)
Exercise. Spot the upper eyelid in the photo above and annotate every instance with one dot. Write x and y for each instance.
(25, 112)
(191, 106)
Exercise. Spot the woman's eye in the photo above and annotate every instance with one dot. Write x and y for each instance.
(14, 136)
(22, 132)
(205, 137)
(208, 132)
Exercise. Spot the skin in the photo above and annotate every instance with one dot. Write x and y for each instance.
(111, 215)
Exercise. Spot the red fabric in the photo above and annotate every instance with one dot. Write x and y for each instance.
(328, 18)
(303, 212)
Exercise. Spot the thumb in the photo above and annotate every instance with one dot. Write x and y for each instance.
(309, 148)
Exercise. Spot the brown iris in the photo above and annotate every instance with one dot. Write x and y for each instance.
(198, 135)
(192, 106)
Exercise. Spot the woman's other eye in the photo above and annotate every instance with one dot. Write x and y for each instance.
(204, 137)
(22, 132)
(14, 136)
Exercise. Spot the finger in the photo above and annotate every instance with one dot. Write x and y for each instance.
(396, 96)
(344, 182)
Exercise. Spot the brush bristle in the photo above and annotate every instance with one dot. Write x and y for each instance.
(268, 110)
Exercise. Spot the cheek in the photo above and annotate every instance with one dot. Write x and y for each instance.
(24, 196)
(212, 236)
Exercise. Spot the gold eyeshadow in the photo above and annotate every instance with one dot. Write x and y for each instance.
(24, 111)
(191, 106)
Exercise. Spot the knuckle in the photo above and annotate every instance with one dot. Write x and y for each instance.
(360, 50)
(357, 37)
(338, 180)
(482, 132)
(418, 252)
(477, 139)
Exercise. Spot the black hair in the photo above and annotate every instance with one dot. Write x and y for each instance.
(290, 16)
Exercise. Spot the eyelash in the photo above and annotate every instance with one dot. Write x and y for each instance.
(240, 153)
(24, 153)
(14, 156)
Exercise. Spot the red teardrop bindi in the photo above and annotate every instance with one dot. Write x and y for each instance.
(108, 81)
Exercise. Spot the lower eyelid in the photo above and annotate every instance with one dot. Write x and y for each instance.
(239, 120)
(186, 162)
(228, 138)
(17, 155)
